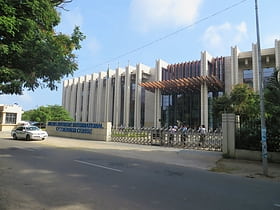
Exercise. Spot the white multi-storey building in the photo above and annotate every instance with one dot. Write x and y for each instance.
(143, 96)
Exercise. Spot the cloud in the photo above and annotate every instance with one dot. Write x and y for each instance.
(220, 37)
(148, 14)
(70, 19)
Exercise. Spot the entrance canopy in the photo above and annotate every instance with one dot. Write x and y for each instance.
(184, 84)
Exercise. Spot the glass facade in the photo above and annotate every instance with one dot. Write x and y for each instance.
(248, 77)
(267, 74)
(213, 123)
(184, 105)
(113, 99)
(122, 100)
(142, 120)
(184, 108)
(132, 101)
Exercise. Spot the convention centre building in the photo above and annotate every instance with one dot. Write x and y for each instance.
(163, 95)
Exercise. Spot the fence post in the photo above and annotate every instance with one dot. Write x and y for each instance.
(108, 131)
(228, 126)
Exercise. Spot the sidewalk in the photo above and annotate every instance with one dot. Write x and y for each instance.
(176, 156)
(247, 168)
(206, 160)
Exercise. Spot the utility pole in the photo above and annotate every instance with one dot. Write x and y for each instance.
(260, 70)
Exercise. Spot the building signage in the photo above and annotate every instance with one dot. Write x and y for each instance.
(75, 127)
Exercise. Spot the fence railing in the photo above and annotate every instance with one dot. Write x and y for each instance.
(191, 139)
(248, 136)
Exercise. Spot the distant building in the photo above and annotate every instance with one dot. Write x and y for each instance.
(166, 94)
(10, 116)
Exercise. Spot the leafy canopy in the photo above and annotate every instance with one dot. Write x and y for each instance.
(242, 101)
(47, 113)
(272, 103)
(32, 54)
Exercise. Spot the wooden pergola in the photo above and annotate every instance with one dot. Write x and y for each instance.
(190, 84)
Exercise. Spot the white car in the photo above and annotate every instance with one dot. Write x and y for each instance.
(29, 133)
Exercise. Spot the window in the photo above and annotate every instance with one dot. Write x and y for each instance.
(11, 118)
(267, 74)
(248, 77)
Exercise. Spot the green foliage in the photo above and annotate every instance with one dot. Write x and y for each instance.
(32, 55)
(221, 105)
(272, 105)
(272, 97)
(48, 113)
(242, 101)
(245, 102)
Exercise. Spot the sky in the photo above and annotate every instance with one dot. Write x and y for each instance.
(122, 32)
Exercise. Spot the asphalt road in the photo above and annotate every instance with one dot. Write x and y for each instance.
(37, 176)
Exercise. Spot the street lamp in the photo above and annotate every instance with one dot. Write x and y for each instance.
(260, 70)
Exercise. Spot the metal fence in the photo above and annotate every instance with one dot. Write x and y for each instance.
(248, 136)
(191, 139)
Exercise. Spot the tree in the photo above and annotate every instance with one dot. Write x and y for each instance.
(48, 113)
(272, 104)
(221, 105)
(32, 54)
(242, 101)
(245, 102)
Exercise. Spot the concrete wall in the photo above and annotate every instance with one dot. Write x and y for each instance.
(228, 145)
(256, 155)
(80, 130)
(228, 126)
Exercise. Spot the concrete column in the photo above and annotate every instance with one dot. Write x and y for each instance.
(127, 99)
(68, 95)
(138, 93)
(205, 57)
(117, 97)
(204, 105)
(73, 98)
(228, 126)
(255, 67)
(234, 66)
(277, 54)
(92, 98)
(79, 99)
(85, 102)
(99, 105)
(64, 89)
(3, 117)
(109, 97)
(157, 107)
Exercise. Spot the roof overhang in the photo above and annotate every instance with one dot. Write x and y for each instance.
(190, 84)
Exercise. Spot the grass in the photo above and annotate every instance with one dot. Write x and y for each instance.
(222, 168)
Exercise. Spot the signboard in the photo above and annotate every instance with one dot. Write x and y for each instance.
(83, 130)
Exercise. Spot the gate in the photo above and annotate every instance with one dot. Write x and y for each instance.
(191, 139)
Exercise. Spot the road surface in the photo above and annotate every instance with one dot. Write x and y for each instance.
(37, 176)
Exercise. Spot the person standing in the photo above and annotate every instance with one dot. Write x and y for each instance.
(202, 133)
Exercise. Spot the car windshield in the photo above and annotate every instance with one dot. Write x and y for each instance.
(32, 128)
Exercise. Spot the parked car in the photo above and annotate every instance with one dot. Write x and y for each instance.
(29, 133)
(39, 124)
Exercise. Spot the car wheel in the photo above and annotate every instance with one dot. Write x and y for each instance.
(14, 136)
(27, 137)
